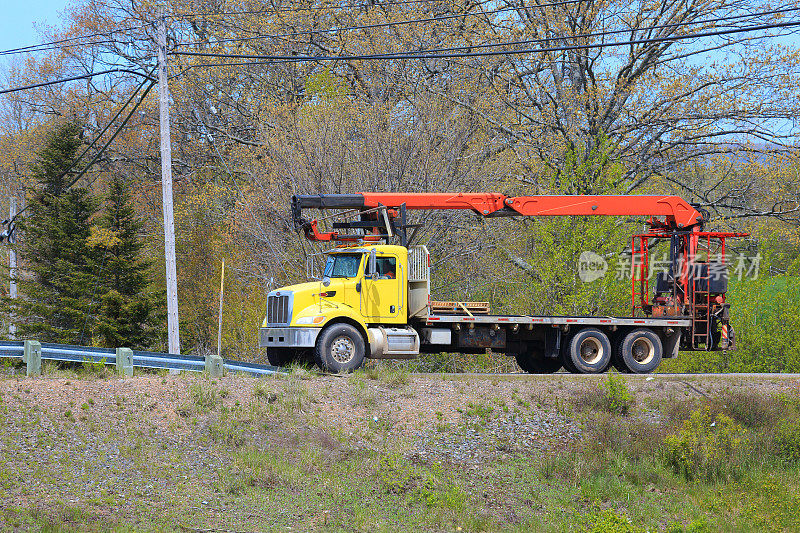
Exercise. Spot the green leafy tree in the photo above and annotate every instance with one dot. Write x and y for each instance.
(128, 314)
(57, 303)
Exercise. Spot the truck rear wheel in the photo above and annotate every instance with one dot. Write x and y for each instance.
(640, 351)
(533, 362)
(340, 348)
(588, 351)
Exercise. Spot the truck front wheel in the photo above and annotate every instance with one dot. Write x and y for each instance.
(340, 348)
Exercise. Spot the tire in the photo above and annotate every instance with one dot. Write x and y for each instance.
(340, 349)
(564, 359)
(640, 351)
(533, 363)
(616, 356)
(589, 351)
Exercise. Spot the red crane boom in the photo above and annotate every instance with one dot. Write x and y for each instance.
(668, 212)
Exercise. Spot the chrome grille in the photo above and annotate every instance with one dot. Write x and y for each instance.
(278, 309)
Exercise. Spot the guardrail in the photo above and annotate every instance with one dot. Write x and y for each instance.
(125, 359)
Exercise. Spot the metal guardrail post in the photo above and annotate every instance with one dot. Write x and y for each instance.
(32, 356)
(125, 362)
(214, 366)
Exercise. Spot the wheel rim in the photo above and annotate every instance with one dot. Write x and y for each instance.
(343, 349)
(591, 351)
(643, 350)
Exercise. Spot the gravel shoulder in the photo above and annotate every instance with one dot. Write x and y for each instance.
(154, 452)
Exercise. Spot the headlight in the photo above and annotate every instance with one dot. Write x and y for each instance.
(319, 319)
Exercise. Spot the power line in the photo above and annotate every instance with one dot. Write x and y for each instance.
(113, 136)
(106, 145)
(300, 8)
(74, 78)
(107, 126)
(425, 54)
(33, 47)
(528, 41)
(56, 47)
(388, 24)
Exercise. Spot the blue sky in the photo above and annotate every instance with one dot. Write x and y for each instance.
(19, 16)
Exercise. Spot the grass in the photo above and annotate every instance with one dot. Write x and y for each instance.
(261, 457)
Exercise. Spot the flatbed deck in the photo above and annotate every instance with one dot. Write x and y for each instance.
(558, 320)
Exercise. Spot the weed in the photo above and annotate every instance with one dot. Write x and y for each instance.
(228, 429)
(256, 469)
(205, 397)
(608, 434)
(750, 409)
(479, 410)
(395, 378)
(520, 401)
(395, 476)
(85, 406)
(262, 390)
(677, 410)
(363, 396)
(707, 447)
(295, 394)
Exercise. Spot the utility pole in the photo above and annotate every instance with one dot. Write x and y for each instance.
(12, 262)
(166, 189)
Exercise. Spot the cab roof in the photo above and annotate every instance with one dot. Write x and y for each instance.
(380, 248)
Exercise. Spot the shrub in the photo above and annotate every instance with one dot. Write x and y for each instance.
(787, 441)
(707, 447)
(610, 395)
(95, 369)
(610, 522)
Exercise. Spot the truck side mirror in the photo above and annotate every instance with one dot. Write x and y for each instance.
(373, 264)
(358, 286)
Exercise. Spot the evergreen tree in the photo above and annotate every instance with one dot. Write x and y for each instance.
(59, 285)
(128, 314)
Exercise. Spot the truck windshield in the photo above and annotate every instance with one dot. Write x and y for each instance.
(342, 266)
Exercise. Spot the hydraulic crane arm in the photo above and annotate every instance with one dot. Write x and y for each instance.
(671, 212)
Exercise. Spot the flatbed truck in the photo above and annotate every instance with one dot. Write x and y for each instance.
(374, 299)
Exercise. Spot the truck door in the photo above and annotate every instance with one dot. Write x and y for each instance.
(382, 294)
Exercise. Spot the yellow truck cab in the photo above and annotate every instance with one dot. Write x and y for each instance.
(359, 309)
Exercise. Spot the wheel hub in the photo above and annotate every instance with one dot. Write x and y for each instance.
(343, 349)
(642, 350)
(591, 351)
